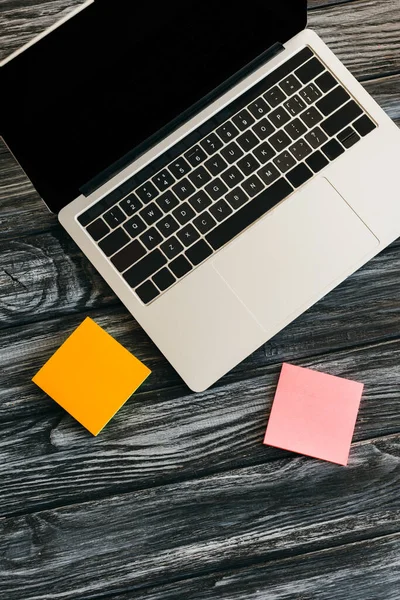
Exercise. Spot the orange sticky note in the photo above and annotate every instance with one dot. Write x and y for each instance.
(314, 414)
(91, 375)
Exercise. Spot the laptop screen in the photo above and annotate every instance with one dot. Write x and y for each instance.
(118, 73)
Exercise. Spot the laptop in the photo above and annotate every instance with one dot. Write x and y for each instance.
(219, 167)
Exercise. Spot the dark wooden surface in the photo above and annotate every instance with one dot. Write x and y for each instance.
(178, 498)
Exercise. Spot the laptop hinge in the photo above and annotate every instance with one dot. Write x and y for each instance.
(103, 177)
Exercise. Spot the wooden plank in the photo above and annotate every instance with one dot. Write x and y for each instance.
(313, 4)
(365, 35)
(22, 20)
(45, 276)
(159, 437)
(358, 571)
(42, 279)
(271, 511)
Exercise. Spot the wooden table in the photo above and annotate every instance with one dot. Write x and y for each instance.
(178, 498)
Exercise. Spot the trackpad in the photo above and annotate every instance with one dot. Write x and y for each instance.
(301, 250)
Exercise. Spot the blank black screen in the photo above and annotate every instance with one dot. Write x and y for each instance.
(110, 78)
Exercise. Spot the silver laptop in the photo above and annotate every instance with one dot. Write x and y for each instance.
(220, 168)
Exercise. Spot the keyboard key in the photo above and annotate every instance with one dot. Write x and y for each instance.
(265, 152)
(216, 165)
(279, 117)
(172, 247)
(151, 213)
(344, 116)
(200, 202)
(147, 192)
(310, 93)
(151, 238)
(167, 201)
(200, 177)
(180, 266)
(184, 213)
(184, 189)
(290, 85)
(316, 137)
(135, 226)
(326, 82)
(295, 129)
(179, 168)
(232, 176)
(268, 174)
(248, 214)
(247, 141)
(248, 164)
(163, 180)
(284, 161)
(232, 152)
(243, 120)
(311, 117)
(114, 217)
(204, 222)
(237, 198)
(128, 256)
(317, 161)
(145, 268)
(295, 105)
(332, 101)
(253, 186)
(114, 241)
(164, 279)
(95, 211)
(364, 125)
(274, 96)
(280, 141)
(211, 144)
(227, 132)
(188, 235)
(131, 205)
(332, 149)
(299, 175)
(147, 292)
(199, 252)
(221, 210)
(300, 150)
(216, 189)
(348, 137)
(310, 70)
(195, 156)
(98, 229)
(263, 129)
(259, 108)
(167, 226)
(113, 197)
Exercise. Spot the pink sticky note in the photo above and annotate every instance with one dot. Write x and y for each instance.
(314, 414)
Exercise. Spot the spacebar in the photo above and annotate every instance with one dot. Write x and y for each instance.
(255, 209)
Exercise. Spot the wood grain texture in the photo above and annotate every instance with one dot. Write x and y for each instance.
(270, 511)
(363, 571)
(340, 321)
(178, 498)
(22, 20)
(157, 437)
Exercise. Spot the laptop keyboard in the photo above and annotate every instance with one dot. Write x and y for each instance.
(177, 212)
